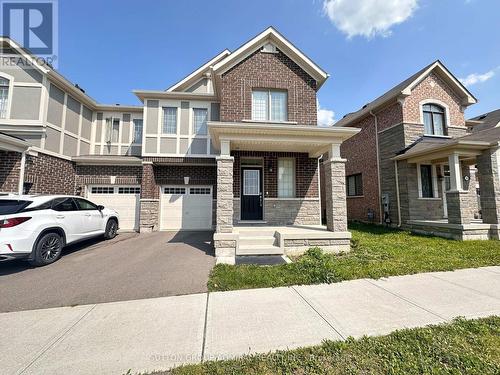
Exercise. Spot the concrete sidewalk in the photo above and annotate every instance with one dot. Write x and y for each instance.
(158, 333)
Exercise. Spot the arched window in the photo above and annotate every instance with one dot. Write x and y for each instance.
(434, 119)
(4, 96)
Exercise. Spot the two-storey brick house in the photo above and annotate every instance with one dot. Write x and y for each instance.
(234, 147)
(412, 164)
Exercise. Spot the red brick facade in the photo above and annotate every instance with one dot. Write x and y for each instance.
(101, 175)
(10, 162)
(267, 71)
(361, 154)
(306, 173)
(46, 174)
(433, 87)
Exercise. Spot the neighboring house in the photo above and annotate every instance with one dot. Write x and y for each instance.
(412, 163)
(233, 144)
(485, 121)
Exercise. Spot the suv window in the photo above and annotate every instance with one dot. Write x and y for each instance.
(64, 204)
(43, 206)
(84, 204)
(12, 206)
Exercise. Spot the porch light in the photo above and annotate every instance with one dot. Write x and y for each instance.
(186, 180)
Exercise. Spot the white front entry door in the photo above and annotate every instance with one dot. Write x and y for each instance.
(123, 199)
(186, 207)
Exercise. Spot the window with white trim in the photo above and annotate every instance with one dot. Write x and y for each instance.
(200, 118)
(169, 120)
(174, 190)
(434, 119)
(354, 185)
(251, 182)
(286, 178)
(103, 190)
(129, 190)
(269, 105)
(137, 130)
(200, 191)
(4, 96)
(112, 129)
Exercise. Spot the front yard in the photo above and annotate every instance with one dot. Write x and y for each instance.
(376, 252)
(461, 347)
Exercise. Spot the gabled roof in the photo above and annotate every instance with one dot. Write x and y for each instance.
(196, 75)
(273, 36)
(404, 89)
(485, 121)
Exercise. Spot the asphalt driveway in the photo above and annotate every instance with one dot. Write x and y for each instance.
(131, 266)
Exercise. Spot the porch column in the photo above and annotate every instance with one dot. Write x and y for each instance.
(460, 210)
(149, 199)
(335, 194)
(488, 167)
(225, 241)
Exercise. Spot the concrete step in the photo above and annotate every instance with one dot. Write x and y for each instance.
(259, 250)
(257, 240)
(252, 232)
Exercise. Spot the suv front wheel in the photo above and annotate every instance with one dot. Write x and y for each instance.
(111, 229)
(47, 249)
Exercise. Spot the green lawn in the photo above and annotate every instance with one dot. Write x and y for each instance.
(460, 347)
(376, 252)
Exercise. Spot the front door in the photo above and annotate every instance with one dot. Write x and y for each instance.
(251, 194)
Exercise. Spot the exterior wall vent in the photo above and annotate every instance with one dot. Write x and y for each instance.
(269, 48)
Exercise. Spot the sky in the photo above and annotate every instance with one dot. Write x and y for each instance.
(367, 46)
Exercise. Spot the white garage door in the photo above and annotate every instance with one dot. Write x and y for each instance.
(123, 199)
(186, 208)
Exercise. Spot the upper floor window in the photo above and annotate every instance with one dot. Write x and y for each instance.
(200, 118)
(434, 120)
(112, 129)
(354, 185)
(169, 120)
(269, 105)
(137, 131)
(4, 96)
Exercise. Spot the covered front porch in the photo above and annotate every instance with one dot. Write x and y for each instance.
(268, 189)
(451, 188)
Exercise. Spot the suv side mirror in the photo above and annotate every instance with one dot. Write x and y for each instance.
(100, 207)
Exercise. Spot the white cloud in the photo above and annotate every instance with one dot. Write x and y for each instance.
(326, 117)
(474, 78)
(368, 18)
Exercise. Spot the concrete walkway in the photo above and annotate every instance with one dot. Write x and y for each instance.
(158, 333)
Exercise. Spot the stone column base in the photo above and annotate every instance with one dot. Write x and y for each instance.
(460, 209)
(149, 216)
(225, 245)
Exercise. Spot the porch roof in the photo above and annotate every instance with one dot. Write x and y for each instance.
(12, 143)
(266, 136)
(434, 149)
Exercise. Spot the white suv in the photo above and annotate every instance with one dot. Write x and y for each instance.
(38, 227)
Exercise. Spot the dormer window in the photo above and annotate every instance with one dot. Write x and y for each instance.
(269, 105)
(434, 119)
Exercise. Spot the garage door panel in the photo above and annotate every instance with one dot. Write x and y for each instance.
(191, 210)
(123, 199)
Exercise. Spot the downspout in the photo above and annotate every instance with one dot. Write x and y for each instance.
(397, 191)
(378, 168)
(20, 189)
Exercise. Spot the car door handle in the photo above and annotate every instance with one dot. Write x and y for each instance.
(59, 216)
(87, 214)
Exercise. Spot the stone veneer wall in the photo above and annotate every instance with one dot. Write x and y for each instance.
(284, 211)
(10, 163)
(488, 165)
